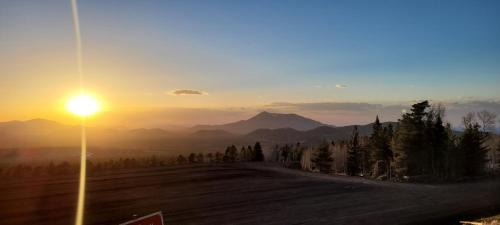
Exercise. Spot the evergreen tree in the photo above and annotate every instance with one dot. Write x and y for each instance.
(297, 152)
(438, 145)
(454, 158)
(410, 142)
(376, 132)
(381, 151)
(243, 154)
(258, 154)
(285, 152)
(231, 154)
(192, 158)
(250, 153)
(181, 159)
(323, 158)
(496, 158)
(472, 144)
(354, 154)
(218, 157)
(390, 131)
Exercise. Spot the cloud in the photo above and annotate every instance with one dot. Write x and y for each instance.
(340, 86)
(343, 113)
(335, 113)
(340, 113)
(326, 106)
(185, 92)
(456, 110)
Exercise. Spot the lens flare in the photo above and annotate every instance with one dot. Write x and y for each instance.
(83, 105)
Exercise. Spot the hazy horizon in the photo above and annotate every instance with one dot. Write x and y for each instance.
(337, 114)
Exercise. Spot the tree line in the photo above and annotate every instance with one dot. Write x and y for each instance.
(420, 146)
(231, 154)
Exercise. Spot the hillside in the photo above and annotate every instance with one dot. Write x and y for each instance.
(310, 136)
(45, 134)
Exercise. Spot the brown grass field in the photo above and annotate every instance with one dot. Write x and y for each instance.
(244, 194)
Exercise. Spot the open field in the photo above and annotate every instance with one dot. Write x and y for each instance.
(244, 194)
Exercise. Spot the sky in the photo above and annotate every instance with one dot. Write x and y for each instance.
(186, 62)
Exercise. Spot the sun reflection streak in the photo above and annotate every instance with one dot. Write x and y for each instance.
(83, 153)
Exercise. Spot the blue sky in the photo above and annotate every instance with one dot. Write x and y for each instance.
(253, 53)
(297, 42)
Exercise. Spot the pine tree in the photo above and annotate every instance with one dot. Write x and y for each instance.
(297, 152)
(387, 152)
(219, 157)
(285, 153)
(390, 131)
(383, 152)
(377, 129)
(231, 154)
(323, 158)
(181, 159)
(243, 154)
(454, 158)
(472, 143)
(258, 154)
(410, 144)
(192, 158)
(439, 144)
(496, 158)
(353, 154)
(250, 153)
(380, 147)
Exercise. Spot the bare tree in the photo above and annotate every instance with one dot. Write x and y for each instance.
(438, 110)
(469, 119)
(487, 120)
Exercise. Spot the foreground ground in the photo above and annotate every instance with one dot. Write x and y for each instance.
(244, 194)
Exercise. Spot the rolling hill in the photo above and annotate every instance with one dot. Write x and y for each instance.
(268, 128)
(287, 135)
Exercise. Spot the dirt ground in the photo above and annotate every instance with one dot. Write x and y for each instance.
(244, 194)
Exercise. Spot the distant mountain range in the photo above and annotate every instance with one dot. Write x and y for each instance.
(265, 120)
(316, 135)
(268, 128)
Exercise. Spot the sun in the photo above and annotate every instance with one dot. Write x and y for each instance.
(83, 105)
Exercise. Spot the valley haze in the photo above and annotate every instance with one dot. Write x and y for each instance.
(268, 128)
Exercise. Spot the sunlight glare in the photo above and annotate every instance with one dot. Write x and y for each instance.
(83, 105)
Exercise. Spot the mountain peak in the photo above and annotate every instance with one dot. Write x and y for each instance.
(268, 120)
(264, 114)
